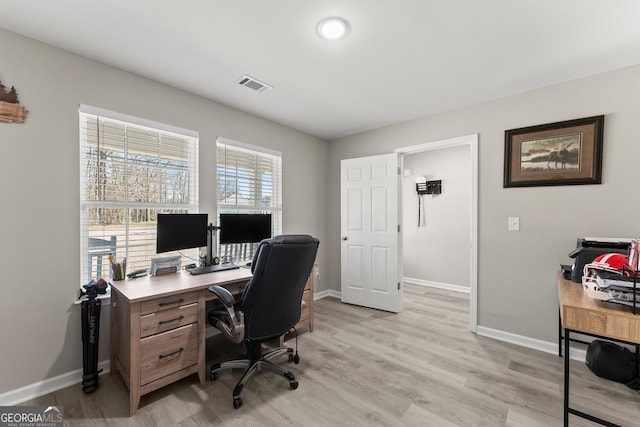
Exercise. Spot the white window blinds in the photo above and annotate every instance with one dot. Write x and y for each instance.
(128, 173)
(249, 180)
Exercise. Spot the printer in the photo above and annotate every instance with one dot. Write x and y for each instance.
(589, 248)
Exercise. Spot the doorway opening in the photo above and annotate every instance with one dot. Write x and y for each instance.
(470, 141)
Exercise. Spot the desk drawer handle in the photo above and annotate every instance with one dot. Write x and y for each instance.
(162, 322)
(164, 356)
(162, 304)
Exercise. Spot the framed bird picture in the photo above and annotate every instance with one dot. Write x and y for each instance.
(562, 153)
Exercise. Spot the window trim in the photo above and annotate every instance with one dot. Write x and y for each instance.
(137, 121)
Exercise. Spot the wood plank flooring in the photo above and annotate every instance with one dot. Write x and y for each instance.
(363, 367)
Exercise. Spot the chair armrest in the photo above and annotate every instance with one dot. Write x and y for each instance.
(227, 320)
(223, 295)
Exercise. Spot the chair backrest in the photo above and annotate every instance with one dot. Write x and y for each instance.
(272, 298)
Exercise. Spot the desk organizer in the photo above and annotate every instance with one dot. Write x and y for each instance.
(118, 270)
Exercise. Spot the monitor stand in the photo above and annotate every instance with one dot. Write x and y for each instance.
(210, 230)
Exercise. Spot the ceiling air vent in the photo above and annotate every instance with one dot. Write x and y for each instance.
(254, 84)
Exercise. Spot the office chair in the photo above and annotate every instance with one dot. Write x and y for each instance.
(270, 306)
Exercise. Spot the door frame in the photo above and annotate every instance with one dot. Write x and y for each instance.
(472, 142)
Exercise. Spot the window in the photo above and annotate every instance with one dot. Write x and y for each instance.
(130, 170)
(249, 180)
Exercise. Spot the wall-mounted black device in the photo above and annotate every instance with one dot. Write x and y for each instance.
(429, 187)
(434, 187)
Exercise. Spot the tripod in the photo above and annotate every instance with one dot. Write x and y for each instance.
(90, 311)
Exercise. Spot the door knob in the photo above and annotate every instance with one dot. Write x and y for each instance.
(345, 238)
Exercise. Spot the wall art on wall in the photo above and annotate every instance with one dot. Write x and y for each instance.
(10, 109)
(562, 153)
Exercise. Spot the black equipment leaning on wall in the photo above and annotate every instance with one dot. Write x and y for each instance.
(90, 312)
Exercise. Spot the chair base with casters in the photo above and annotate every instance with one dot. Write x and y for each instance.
(262, 363)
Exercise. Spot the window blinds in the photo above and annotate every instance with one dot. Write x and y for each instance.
(128, 173)
(249, 180)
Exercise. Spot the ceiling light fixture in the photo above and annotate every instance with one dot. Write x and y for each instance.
(333, 28)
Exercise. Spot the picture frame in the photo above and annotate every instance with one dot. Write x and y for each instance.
(561, 153)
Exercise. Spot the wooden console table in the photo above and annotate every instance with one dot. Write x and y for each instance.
(158, 327)
(583, 314)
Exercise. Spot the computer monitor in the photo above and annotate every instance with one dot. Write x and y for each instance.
(181, 231)
(244, 228)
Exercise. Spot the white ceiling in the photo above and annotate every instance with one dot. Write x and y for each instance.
(403, 59)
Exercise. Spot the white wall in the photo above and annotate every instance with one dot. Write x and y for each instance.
(517, 270)
(437, 250)
(39, 166)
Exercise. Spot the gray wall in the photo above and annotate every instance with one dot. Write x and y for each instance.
(437, 251)
(517, 270)
(39, 325)
(40, 328)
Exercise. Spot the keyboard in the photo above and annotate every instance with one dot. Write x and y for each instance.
(212, 268)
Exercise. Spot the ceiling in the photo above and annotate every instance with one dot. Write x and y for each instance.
(403, 59)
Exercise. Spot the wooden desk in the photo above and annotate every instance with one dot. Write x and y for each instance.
(583, 314)
(158, 327)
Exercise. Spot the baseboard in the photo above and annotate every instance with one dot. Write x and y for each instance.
(432, 284)
(544, 346)
(420, 282)
(49, 385)
(327, 293)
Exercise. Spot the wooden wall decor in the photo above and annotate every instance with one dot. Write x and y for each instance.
(10, 109)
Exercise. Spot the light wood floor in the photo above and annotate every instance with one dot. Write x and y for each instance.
(363, 367)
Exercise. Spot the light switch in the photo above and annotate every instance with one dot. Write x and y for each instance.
(514, 223)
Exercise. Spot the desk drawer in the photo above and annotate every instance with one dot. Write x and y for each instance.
(165, 320)
(168, 352)
(166, 303)
(236, 288)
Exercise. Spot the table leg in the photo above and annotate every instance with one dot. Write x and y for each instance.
(566, 377)
(134, 401)
(559, 334)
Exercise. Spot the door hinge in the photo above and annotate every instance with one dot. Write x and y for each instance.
(398, 285)
(398, 228)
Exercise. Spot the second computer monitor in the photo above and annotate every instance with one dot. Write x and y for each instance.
(244, 228)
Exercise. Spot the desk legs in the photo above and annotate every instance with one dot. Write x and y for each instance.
(567, 409)
(566, 377)
(559, 334)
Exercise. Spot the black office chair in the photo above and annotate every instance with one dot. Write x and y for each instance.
(270, 306)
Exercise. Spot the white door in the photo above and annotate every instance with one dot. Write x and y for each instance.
(370, 259)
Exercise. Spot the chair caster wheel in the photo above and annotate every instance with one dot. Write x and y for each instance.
(293, 385)
(213, 376)
(237, 402)
(295, 359)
